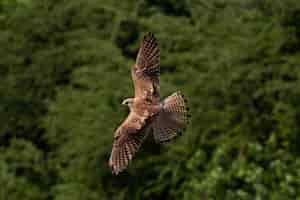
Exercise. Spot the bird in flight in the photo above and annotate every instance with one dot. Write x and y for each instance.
(165, 119)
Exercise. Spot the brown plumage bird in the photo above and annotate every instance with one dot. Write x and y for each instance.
(166, 119)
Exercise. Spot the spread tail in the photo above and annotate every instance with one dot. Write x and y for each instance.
(172, 119)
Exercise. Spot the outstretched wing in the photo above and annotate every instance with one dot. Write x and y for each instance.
(127, 141)
(145, 72)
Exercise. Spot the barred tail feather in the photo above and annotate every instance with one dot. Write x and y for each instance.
(172, 119)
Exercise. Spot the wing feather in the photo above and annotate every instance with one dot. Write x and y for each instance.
(146, 71)
(127, 141)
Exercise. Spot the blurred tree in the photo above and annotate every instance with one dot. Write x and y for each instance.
(65, 67)
(79, 129)
(41, 43)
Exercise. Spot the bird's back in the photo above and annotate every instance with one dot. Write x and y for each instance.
(145, 108)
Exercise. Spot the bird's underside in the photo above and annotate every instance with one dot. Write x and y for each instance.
(165, 119)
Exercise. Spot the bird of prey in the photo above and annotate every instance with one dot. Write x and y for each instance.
(164, 119)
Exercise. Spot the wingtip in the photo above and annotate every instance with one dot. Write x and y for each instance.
(149, 36)
(149, 33)
(116, 173)
(114, 170)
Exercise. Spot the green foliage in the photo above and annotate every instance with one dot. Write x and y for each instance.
(65, 68)
(78, 124)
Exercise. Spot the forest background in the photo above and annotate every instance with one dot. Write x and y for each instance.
(65, 68)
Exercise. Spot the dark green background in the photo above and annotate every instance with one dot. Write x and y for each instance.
(65, 68)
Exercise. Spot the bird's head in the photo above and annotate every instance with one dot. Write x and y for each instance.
(128, 102)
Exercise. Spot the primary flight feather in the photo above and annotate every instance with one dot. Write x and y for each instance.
(165, 119)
